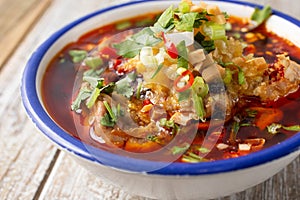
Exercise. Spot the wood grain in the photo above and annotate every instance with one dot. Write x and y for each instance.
(15, 22)
(32, 168)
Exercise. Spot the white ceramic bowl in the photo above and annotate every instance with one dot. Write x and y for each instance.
(166, 181)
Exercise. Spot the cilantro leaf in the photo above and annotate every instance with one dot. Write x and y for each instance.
(123, 86)
(128, 48)
(186, 22)
(166, 17)
(146, 37)
(111, 117)
(106, 121)
(183, 55)
(82, 95)
(259, 16)
(132, 46)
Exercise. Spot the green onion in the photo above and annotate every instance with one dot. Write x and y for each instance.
(203, 150)
(200, 87)
(93, 62)
(228, 76)
(215, 31)
(123, 25)
(78, 55)
(180, 150)
(93, 98)
(274, 128)
(110, 112)
(157, 70)
(292, 128)
(199, 106)
(138, 91)
(192, 158)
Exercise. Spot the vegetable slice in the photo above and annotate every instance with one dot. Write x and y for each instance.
(185, 84)
(259, 16)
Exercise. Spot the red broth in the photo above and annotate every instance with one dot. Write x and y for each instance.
(58, 83)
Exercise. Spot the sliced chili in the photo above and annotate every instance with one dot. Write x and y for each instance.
(170, 47)
(188, 84)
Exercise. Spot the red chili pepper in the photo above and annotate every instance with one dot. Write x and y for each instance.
(117, 62)
(187, 85)
(146, 102)
(111, 52)
(170, 47)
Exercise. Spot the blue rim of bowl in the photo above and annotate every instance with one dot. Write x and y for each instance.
(65, 141)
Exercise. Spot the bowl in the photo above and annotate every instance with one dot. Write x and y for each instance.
(155, 179)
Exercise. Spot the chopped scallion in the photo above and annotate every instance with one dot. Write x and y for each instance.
(93, 98)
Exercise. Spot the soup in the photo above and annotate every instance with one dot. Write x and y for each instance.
(177, 85)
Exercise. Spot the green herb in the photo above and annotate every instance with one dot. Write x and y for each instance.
(192, 158)
(82, 95)
(241, 77)
(110, 111)
(228, 76)
(184, 7)
(207, 45)
(292, 128)
(251, 113)
(166, 17)
(93, 62)
(128, 48)
(160, 66)
(226, 15)
(110, 118)
(183, 55)
(180, 150)
(200, 87)
(123, 86)
(199, 106)
(133, 45)
(78, 55)
(93, 98)
(146, 37)
(93, 81)
(228, 72)
(123, 25)
(144, 22)
(138, 91)
(203, 150)
(199, 91)
(215, 31)
(234, 131)
(93, 72)
(106, 121)
(259, 16)
(186, 22)
(274, 128)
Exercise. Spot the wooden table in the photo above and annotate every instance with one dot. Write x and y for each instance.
(30, 166)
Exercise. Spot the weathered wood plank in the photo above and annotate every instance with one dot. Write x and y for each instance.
(15, 22)
(78, 183)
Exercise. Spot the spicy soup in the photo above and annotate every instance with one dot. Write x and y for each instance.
(252, 119)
